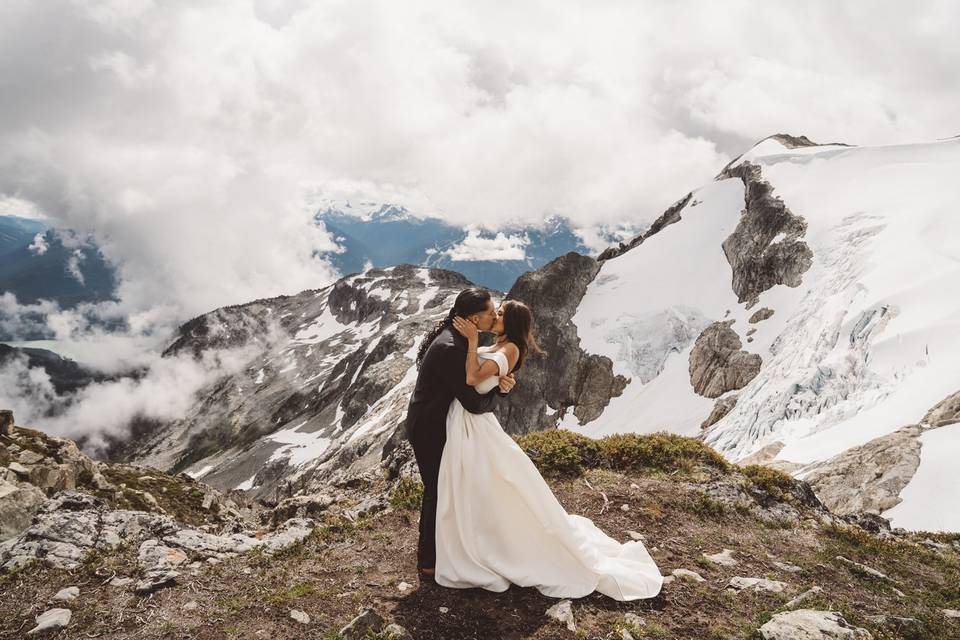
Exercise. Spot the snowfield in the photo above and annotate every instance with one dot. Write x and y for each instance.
(868, 342)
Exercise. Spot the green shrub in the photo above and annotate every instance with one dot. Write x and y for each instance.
(771, 481)
(559, 452)
(663, 451)
(406, 496)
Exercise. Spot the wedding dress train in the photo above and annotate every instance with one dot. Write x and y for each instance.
(499, 523)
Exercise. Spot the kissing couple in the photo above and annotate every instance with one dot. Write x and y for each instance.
(488, 518)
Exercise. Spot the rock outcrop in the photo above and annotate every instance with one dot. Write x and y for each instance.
(722, 407)
(72, 524)
(767, 247)
(869, 477)
(568, 377)
(945, 412)
(717, 363)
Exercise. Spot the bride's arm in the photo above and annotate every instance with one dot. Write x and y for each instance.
(475, 371)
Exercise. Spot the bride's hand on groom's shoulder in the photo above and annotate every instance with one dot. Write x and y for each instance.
(466, 328)
(507, 382)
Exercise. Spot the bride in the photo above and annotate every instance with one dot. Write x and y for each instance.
(497, 520)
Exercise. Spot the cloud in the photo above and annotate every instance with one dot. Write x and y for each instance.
(500, 247)
(39, 245)
(73, 265)
(165, 391)
(186, 137)
(597, 239)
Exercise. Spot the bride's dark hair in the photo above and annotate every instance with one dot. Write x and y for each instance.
(518, 327)
(468, 302)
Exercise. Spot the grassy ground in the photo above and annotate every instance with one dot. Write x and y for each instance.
(344, 566)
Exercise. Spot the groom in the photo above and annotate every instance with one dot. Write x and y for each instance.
(442, 378)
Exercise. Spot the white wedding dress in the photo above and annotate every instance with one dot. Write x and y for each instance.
(498, 522)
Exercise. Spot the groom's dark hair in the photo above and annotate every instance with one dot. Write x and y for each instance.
(468, 302)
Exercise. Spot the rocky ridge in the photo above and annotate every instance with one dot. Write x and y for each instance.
(322, 396)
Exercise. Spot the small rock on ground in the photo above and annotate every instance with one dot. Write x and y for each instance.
(740, 583)
(862, 568)
(562, 612)
(300, 616)
(951, 613)
(50, 620)
(120, 582)
(786, 566)
(190, 606)
(683, 574)
(724, 558)
(394, 631)
(368, 621)
(803, 597)
(67, 594)
(403, 587)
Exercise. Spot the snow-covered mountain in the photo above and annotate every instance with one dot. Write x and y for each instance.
(801, 310)
(382, 235)
(802, 305)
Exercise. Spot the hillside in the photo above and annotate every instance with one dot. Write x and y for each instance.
(682, 499)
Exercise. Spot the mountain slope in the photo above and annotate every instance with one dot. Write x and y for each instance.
(324, 388)
(803, 302)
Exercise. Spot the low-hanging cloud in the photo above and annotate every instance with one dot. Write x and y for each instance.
(102, 411)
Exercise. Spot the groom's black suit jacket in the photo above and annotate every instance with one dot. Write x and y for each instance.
(442, 378)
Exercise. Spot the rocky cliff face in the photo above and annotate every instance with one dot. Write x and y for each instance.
(566, 378)
(767, 247)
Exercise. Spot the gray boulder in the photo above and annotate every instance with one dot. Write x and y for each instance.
(717, 363)
(807, 624)
(869, 477)
(18, 504)
(51, 620)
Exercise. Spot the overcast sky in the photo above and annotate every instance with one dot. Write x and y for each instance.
(190, 138)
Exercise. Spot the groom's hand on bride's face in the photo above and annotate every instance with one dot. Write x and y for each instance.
(507, 382)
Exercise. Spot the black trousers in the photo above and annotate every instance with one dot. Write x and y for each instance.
(427, 441)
